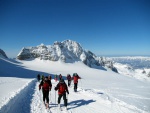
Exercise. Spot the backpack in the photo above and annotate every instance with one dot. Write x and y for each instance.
(62, 88)
(60, 76)
(69, 77)
(76, 79)
(46, 86)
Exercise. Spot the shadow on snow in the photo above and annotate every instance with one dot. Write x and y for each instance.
(9, 69)
(78, 103)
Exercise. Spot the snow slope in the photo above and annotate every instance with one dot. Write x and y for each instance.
(99, 91)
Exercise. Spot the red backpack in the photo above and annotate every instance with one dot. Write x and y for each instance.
(62, 88)
(76, 79)
(45, 86)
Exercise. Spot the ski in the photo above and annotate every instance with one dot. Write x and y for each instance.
(47, 108)
(59, 109)
(63, 110)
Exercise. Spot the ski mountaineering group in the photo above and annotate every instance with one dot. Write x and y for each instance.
(61, 87)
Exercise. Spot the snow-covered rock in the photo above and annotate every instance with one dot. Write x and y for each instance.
(66, 51)
(148, 74)
(3, 54)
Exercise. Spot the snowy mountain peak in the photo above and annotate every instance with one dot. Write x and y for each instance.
(70, 46)
(41, 44)
(66, 51)
(3, 54)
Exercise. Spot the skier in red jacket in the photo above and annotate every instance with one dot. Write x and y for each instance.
(62, 89)
(75, 79)
(46, 87)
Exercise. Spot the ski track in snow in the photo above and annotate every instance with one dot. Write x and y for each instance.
(29, 100)
(20, 103)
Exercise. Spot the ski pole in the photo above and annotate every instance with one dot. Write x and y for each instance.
(55, 98)
(81, 83)
(40, 99)
(67, 98)
(50, 97)
(70, 82)
(40, 95)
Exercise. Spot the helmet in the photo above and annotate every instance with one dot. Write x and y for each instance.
(75, 74)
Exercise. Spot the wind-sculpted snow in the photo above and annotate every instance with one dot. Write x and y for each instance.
(67, 51)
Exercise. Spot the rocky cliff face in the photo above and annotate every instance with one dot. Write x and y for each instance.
(66, 51)
(3, 54)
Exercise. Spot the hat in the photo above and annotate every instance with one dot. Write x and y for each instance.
(46, 78)
(62, 81)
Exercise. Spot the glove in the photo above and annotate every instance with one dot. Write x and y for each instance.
(68, 93)
(55, 88)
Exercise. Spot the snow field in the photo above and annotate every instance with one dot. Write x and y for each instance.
(120, 87)
(99, 91)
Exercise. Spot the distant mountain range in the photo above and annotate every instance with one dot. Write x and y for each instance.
(135, 61)
(67, 51)
(135, 66)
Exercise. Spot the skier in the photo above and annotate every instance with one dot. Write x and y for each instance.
(69, 79)
(38, 77)
(49, 82)
(45, 89)
(42, 77)
(60, 77)
(62, 89)
(75, 79)
(56, 78)
(49, 77)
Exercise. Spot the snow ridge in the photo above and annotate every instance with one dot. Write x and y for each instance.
(3, 54)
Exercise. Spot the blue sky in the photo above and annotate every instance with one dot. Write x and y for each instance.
(105, 27)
